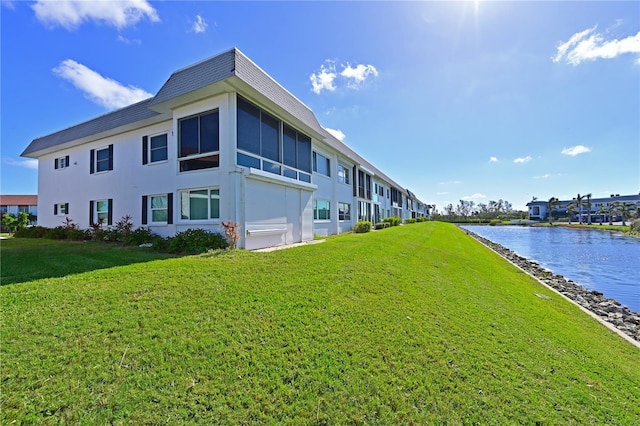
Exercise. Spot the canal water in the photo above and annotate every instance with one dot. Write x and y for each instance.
(598, 260)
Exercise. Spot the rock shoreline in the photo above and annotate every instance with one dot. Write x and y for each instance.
(609, 310)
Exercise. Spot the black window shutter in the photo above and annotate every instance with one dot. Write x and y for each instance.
(144, 209)
(145, 142)
(170, 208)
(355, 181)
(110, 158)
(66, 160)
(90, 213)
(66, 207)
(92, 157)
(55, 163)
(110, 213)
(55, 209)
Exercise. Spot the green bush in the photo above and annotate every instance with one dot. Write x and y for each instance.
(495, 222)
(362, 227)
(393, 220)
(381, 225)
(410, 220)
(31, 232)
(138, 236)
(634, 227)
(195, 241)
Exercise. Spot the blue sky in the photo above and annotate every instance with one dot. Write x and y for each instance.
(454, 100)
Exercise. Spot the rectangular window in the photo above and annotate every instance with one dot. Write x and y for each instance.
(61, 163)
(265, 136)
(200, 204)
(198, 135)
(159, 208)
(321, 164)
(101, 160)
(4, 209)
(102, 211)
(344, 174)
(158, 148)
(61, 209)
(321, 210)
(344, 211)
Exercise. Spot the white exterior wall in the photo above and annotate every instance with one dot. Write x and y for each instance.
(344, 194)
(326, 191)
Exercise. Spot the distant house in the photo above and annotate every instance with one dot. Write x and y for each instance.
(539, 209)
(15, 204)
(220, 141)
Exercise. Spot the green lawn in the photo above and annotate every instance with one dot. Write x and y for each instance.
(418, 324)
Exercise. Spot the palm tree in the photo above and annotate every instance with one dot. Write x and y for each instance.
(625, 210)
(551, 204)
(579, 204)
(571, 211)
(588, 208)
(602, 211)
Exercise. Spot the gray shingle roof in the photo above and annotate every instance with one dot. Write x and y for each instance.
(186, 80)
(122, 117)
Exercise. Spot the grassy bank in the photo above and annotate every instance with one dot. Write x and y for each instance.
(413, 324)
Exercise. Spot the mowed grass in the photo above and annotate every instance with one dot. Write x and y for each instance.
(417, 324)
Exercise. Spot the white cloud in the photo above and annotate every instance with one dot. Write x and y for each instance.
(71, 14)
(125, 40)
(28, 164)
(200, 25)
(576, 150)
(442, 193)
(523, 159)
(338, 134)
(589, 45)
(357, 76)
(323, 79)
(476, 196)
(451, 182)
(493, 159)
(9, 4)
(101, 90)
(544, 176)
(352, 77)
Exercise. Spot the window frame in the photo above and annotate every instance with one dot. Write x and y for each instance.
(316, 161)
(61, 163)
(148, 150)
(61, 209)
(317, 209)
(344, 174)
(209, 198)
(200, 159)
(252, 126)
(344, 215)
(95, 162)
(152, 210)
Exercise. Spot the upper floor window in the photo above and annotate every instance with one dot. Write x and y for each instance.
(266, 143)
(154, 148)
(61, 163)
(344, 174)
(321, 164)
(101, 159)
(198, 138)
(200, 204)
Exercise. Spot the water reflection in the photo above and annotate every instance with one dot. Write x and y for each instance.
(598, 260)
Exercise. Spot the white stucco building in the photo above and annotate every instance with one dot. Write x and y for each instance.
(220, 141)
(600, 208)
